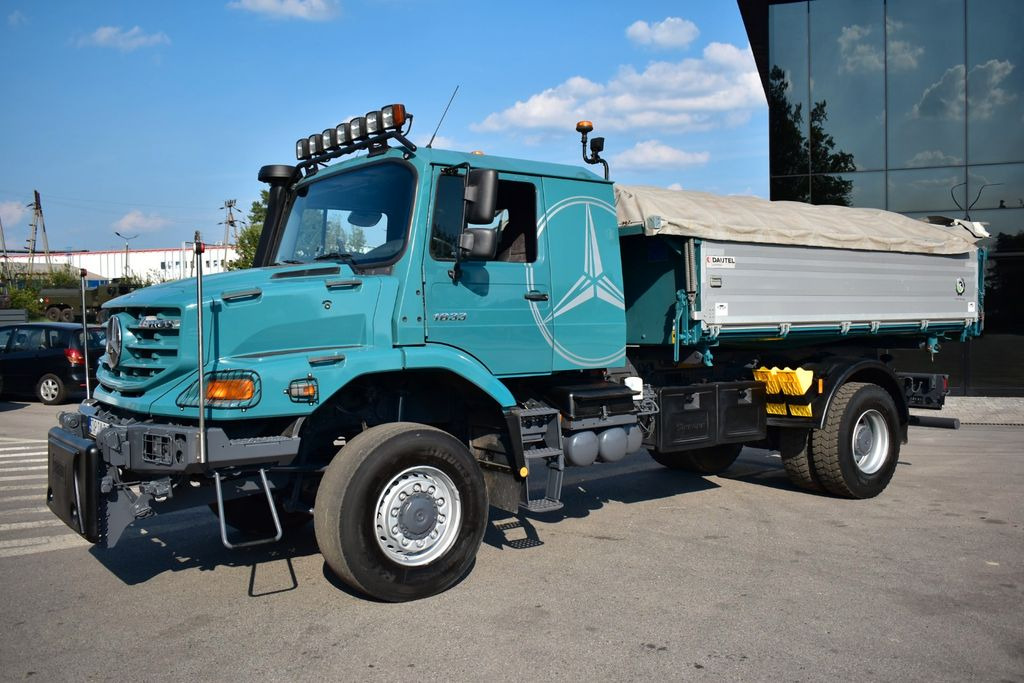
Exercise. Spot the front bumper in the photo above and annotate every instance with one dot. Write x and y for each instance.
(104, 473)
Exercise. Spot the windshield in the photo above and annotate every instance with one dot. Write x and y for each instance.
(359, 216)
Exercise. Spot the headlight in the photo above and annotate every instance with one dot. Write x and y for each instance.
(113, 342)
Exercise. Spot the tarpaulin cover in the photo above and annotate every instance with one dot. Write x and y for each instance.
(752, 219)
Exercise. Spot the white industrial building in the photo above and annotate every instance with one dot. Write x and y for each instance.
(153, 265)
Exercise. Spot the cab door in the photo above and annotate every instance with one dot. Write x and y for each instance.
(495, 310)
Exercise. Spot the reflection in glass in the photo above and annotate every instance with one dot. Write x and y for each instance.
(787, 89)
(865, 190)
(925, 72)
(847, 54)
(938, 190)
(996, 187)
(792, 189)
(995, 81)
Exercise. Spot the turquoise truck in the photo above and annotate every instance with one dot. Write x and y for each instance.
(428, 333)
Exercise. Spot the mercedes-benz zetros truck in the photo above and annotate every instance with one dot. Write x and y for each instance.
(428, 333)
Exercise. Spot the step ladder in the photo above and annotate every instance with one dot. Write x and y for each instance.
(223, 525)
(539, 431)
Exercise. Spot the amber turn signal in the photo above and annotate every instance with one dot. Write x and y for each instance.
(230, 390)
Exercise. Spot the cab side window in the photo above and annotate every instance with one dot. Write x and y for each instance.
(515, 217)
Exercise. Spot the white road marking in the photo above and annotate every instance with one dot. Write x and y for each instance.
(23, 487)
(31, 546)
(21, 499)
(15, 526)
(25, 511)
(22, 477)
(9, 439)
(4, 464)
(10, 449)
(22, 469)
(27, 454)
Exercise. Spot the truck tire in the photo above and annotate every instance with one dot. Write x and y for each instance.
(53, 314)
(251, 515)
(50, 390)
(401, 511)
(67, 315)
(856, 451)
(710, 460)
(795, 450)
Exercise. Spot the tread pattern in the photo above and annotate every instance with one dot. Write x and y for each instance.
(795, 451)
(825, 442)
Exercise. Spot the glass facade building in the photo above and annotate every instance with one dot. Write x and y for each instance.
(915, 106)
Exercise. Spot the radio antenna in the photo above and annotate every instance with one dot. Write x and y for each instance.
(443, 114)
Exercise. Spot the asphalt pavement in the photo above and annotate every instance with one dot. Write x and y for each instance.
(646, 573)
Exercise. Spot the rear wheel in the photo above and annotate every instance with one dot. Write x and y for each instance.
(856, 451)
(401, 511)
(53, 314)
(795, 450)
(710, 460)
(51, 390)
(67, 315)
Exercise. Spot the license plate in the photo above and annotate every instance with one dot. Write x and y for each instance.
(97, 426)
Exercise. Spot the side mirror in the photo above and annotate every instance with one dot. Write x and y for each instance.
(478, 244)
(481, 195)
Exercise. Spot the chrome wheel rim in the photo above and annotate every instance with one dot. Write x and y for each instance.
(870, 442)
(49, 389)
(417, 516)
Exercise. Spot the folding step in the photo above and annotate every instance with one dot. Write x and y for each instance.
(539, 433)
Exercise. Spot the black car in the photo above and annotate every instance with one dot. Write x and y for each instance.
(47, 360)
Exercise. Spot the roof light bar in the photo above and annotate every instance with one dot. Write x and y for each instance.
(344, 135)
(330, 138)
(357, 127)
(302, 149)
(316, 144)
(393, 116)
(373, 122)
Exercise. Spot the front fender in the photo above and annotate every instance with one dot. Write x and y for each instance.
(463, 365)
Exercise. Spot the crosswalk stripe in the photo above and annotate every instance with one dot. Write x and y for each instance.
(20, 462)
(39, 523)
(31, 546)
(22, 499)
(8, 439)
(27, 454)
(11, 449)
(22, 477)
(23, 487)
(22, 469)
(25, 511)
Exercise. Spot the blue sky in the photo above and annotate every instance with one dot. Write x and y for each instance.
(143, 117)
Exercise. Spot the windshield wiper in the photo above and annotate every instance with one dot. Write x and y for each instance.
(288, 262)
(337, 255)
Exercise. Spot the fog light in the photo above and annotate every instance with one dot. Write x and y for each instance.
(316, 144)
(357, 127)
(393, 116)
(343, 133)
(302, 149)
(303, 390)
(373, 123)
(330, 138)
(230, 390)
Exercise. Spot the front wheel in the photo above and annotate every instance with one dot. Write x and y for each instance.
(856, 451)
(401, 511)
(67, 315)
(710, 460)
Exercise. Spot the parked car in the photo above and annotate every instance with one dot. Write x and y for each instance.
(47, 360)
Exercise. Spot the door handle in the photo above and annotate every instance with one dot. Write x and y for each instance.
(534, 295)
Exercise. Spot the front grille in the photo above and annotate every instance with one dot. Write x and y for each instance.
(146, 351)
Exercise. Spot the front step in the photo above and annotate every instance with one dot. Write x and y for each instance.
(540, 434)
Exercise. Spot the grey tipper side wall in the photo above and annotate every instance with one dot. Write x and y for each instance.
(767, 284)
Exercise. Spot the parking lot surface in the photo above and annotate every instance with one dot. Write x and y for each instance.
(645, 573)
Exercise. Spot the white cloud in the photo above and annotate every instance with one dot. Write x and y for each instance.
(136, 221)
(16, 18)
(310, 10)
(653, 154)
(719, 89)
(903, 56)
(11, 213)
(125, 41)
(675, 186)
(672, 32)
(944, 99)
(934, 157)
(855, 53)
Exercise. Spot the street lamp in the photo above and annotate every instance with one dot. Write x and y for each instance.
(126, 239)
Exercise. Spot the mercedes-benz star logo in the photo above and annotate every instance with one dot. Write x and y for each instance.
(113, 342)
(593, 283)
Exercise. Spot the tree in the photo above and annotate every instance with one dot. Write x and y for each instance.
(249, 237)
(795, 156)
